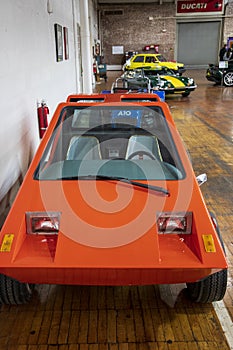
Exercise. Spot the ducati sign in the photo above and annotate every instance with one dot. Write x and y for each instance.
(187, 7)
(194, 6)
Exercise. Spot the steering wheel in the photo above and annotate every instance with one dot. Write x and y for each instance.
(117, 158)
(141, 153)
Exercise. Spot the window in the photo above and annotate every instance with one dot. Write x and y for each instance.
(138, 59)
(124, 141)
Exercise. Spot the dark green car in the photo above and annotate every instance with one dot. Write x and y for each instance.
(163, 79)
(221, 75)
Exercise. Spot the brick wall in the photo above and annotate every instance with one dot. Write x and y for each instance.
(228, 26)
(137, 26)
(145, 24)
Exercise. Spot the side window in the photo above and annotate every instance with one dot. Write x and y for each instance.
(150, 59)
(139, 59)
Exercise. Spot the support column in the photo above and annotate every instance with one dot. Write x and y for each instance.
(87, 68)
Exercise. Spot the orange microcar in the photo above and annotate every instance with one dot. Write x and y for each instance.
(111, 198)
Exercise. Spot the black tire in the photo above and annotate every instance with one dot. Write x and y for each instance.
(213, 287)
(228, 78)
(185, 94)
(13, 292)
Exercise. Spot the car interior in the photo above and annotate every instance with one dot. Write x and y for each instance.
(132, 142)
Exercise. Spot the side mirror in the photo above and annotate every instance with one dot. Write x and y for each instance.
(201, 179)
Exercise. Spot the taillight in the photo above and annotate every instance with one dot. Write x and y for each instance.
(43, 222)
(169, 222)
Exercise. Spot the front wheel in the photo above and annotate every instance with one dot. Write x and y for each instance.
(210, 289)
(228, 78)
(13, 292)
(213, 287)
(185, 94)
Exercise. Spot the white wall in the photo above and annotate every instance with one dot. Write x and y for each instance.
(28, 73)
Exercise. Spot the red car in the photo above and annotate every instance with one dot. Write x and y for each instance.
(111, 198)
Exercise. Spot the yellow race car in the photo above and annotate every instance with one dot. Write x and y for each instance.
(154, 61)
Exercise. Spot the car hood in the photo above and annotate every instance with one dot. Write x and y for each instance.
(117, 217)
(175, 81)
(104, 212)
(171, 65)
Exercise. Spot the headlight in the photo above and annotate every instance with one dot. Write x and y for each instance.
(169, 222)
(190, 81)
(43, 222)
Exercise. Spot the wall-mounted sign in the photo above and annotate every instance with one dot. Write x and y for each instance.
(223, 64)
(59, 42)
(66, 43)
(117, 50)
(187, 7)
(230, 42)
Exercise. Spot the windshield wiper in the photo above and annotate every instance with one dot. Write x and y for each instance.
(126, 180)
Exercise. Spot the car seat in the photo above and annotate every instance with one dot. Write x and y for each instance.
(147, 145)
(83, 148)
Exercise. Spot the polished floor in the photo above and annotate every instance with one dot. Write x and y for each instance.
(145, 317)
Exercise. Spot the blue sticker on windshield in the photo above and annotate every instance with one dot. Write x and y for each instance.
(127, 116)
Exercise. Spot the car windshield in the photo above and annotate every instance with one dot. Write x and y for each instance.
(161, 58)
(130, 141)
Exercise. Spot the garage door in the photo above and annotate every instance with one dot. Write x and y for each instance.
(198, 43)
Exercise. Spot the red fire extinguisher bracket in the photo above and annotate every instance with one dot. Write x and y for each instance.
(42, 112)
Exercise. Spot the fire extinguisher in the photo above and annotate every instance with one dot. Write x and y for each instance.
(42, 111)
